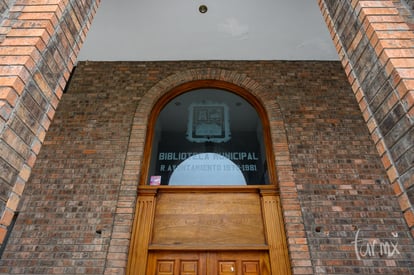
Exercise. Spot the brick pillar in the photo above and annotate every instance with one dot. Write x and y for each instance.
(375, 43)
(4, 8)
(39, 43)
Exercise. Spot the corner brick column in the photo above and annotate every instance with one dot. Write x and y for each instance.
(39, 43)
(375, 43)
(4, 7)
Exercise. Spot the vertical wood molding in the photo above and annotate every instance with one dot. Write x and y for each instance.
(275, 233)
(141, 234)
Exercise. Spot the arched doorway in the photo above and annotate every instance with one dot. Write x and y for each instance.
(208, 199)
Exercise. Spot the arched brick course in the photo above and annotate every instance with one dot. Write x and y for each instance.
(288, 192)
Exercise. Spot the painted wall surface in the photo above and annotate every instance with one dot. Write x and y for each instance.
(79, 203)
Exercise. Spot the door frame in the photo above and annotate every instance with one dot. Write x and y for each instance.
(270, 200)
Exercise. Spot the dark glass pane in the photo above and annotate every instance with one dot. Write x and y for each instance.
(208, 137)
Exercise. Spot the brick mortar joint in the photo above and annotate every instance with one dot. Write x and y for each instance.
(83, 26)
(405, 5)
(5, 15)
(374, 131)
(375, 29)
(401, 98)
(21, 11)
(39, 60)
(21, 72)
(347, 61)
(410, 203)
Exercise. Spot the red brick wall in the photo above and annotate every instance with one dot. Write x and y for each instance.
(374, 40)
(39, 42)
(4, 8)
(79, 202)
(410, 3)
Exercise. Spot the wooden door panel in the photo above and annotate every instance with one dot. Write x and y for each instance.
(250, 268)
(227, 267)
(176, 263)
(227, 224)
(208, 219)
(240, 263)
(165, 267)
(189, 267)
(208, 263)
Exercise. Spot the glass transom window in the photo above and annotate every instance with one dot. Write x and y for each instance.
(208, 137)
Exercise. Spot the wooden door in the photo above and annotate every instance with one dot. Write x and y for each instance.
(241, 220)
(238, 263)
(180, 263)
(208, 263)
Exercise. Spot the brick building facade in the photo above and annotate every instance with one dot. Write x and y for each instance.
(342, 138)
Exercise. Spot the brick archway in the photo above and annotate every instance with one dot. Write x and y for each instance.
(41, 42)
(131, 174)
